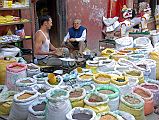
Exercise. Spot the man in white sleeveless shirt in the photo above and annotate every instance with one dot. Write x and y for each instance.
(45, 52)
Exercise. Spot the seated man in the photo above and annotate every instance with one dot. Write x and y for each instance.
(45, 52)
(76, 37)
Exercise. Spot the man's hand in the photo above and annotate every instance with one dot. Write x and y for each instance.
(71, 40)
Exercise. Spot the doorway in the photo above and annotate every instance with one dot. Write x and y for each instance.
(57, 10)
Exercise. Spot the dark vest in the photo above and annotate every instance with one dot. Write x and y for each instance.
(76, 33)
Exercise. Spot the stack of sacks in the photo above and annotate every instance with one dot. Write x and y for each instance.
(76, 97)
(15, 71)
(97, 102)
(147, 96)
(133, 104)
(58, 104)
(113, 94)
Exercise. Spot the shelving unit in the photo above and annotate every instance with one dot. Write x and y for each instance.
(22, 20)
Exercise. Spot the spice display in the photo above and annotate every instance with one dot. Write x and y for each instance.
(95, 98)
(142, 93)
(108, 117)
(25, 96)
(153, 87)
(86, 76)
(26, 81)
(81, 116)
(106, 91)
(131, 100)
(75, 93)
(39, 107)
(102, 78)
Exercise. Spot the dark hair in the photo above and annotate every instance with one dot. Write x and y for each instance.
(43, 19)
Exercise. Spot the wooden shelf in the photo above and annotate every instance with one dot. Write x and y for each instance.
(14, 23)
(15, 41)
(16, 8)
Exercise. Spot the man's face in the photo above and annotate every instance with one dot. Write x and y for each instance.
(76, 24)
(49, 23)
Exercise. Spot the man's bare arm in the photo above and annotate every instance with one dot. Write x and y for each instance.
(38, 45)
